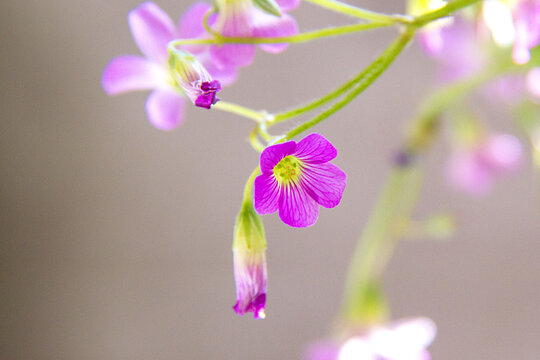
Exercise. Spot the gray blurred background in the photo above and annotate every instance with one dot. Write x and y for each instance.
(115, 237)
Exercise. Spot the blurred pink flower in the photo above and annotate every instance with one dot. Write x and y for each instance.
(240, 18)
(526, 16)
(406, 339)
(474, 170)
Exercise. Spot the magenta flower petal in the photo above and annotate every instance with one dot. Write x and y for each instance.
(152, 30)
(315, 149)
(272, 155)
(131, 73)
(266, 25)
(296, 207)
(286, 5)
(324, 183)
(266, 195)
(302, 179)
(165, 109)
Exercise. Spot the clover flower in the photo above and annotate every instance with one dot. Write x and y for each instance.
(152, 30)
(241, 18)
(249, 250)
(405, 339)
(474, 170)
(297, 178)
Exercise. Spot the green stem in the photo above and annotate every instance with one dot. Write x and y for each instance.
(249, 184)
(365, 79)
(254, 141)
(298, 38)
(360, 13)
(236, 109)
(363, 301)
(443, 12)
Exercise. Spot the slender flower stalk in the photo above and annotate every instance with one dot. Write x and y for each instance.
(365, 79)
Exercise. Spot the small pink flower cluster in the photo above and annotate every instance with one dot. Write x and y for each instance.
(153, 30)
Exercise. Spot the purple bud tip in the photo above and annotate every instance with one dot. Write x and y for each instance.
(256, 306)
(208, 96)
(403, 158)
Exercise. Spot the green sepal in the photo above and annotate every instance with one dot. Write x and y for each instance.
(268, 6)
(249, 229)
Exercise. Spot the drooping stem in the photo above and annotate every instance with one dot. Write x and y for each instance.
(365, 79)
(243, 111)
(249, 184)
(360, 13)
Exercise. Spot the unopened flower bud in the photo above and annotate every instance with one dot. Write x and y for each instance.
(194, 79)
(249, 250)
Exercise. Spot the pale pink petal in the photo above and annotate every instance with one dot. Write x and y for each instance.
(286, 5)
(191, 26)
(468, 173)
(324, 183)
(322, 350)
(273, 154)
(235, 22)
(227, 56)
(226, 76)
(356, 348)
(296, 207)
(502, 152)
(165, 109)
(315, 149)
(432, 41)
(405, 340)
(131, 73)
(266, 194)
(266, 25)
(533, 82)
(152, 30)
(191, 23)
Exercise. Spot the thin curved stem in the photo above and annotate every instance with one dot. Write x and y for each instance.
(240, 110)
(366, 78)
(360, 13)
(298, 38)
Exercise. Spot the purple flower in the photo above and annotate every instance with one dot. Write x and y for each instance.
(152, 30)
(406, 339)
(240, 18)
(249, 250)
(297, 178)
(474, 170)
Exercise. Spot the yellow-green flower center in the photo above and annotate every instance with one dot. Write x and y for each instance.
(288, 169)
